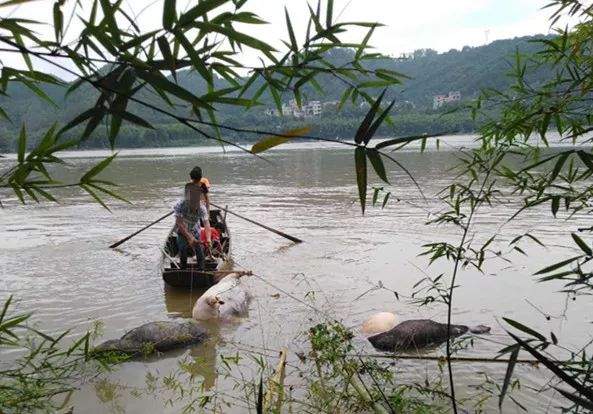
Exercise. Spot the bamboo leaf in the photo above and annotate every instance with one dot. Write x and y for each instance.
(15, 2)
(135, 119)
(238, 37)
(366, 122)
(582, 244)
(98, 199)
(329, 13)
(195, 58)
(272, 141)
(293, 43)
(377, 163)
(508, 375)
(167, 55)
(361, 175)
(566, 378)
(109, 16)
(556, 266)
(364, 43)
(373, 129)
(259, 409)
(58, 21)
(559, 164)
(22, 145)
(86, 178)
(555, 205)
(169, 14)
(525, 329)
(408, 139)
(163, 84)
(201, 9)
(579, 401)
(586, 159)
(79, 119)
(385, 200)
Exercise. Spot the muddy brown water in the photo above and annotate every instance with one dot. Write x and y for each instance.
(55, 259)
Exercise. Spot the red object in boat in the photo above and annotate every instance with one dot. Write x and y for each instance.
(214, 235)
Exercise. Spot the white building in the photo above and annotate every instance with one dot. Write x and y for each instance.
(307, 110)
(440, 100)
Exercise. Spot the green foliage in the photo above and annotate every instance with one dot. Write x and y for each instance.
(29, 175)
(344, 381)
(47, 368)
(559, 102)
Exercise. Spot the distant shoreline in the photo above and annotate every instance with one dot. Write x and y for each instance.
(448, 143)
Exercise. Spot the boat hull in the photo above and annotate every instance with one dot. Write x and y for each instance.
(188, 278)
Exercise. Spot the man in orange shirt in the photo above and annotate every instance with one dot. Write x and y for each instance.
(205, 185)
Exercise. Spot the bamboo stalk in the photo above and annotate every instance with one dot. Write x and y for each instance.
(453, 359)
(275, 392)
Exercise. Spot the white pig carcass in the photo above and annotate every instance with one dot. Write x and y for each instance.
(225, 300)
(378, 323)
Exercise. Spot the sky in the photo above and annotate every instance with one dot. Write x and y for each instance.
(409, 25)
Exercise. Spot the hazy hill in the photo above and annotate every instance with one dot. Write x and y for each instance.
(467, 70)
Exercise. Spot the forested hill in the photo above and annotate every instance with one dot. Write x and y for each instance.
(431, 73)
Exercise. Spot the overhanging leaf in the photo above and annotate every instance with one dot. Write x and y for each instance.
(508, 375)
(169, 14)
(366, 122)
(557, 265)
(22, 144)
(86, 178)
(411, 138)
(377, 163)
(201, 9)
(360, 162)
(582, 244)
(552, 366)
(275, 140)
(371, 132)
(525, 329)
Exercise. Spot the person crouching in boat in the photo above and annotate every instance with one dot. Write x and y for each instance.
(188, 213)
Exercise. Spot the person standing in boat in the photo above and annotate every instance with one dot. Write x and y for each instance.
(188, 213)
(205, 186)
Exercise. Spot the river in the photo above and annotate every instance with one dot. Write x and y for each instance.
(55, 259)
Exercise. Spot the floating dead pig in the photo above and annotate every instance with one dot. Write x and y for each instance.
(226, 300)
(413, 333)
(156, 336)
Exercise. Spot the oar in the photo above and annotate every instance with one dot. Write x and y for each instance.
(278, 232)
(114, 245)
(287, 236)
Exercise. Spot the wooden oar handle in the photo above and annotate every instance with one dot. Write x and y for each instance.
(287, 236)
(114, 245)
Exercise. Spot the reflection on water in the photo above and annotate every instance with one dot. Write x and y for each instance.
(55, 257)
(179, 303)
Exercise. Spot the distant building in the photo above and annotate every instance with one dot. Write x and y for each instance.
(440, 100)
(330, 105)
(306, 110)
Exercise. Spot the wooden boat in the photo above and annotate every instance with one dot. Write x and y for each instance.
(191, 277)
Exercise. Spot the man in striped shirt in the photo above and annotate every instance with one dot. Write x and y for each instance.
(188, 213)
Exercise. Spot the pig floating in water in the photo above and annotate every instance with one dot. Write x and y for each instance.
(379, 322)
(225, 300)
(156, 336)
(420, 333)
